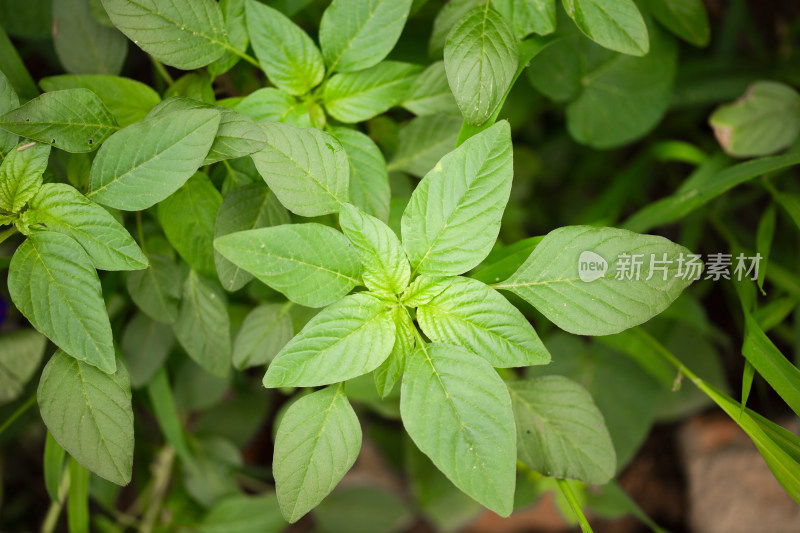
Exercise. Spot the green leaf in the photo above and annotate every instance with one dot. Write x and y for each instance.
(480, 56)
(779, 372)
(453, 217)
(59, 207)
(369, 179)
(89, 414)
(8, 101)
(366, 507)
(249, 207)
(692, 196)
(457, 410)
(74, 120)
(53, 464)
(318, 440)
(21, 352)
(53, 283)
(196, 389)
(359, 96)
(146, 162)
(13, 67)
(450, 14)
(273, 105)
(389, 372)
(350, 338)
(423, 142)
(203, 326)
(614, 98)
(357, 34)
(385, 266)
(560, 431)
(307, 169)
(185, 34)
(614, 297)
(157, 289)
(243, 513)
(128, 100)
(236, 28)
(685, 18)
(21, 175)
(528, 16)
(312, 264)
(265, 331)
(146, 345)
(765, 120)
(423, 289)
(430, 93)
(83, 45)
(286, 53)
(237, 136)
(613, 24)
(188, 218)
(473, 315)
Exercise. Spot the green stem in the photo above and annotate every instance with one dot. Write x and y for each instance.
(18, 413)
(140, 230)
(247, 57)
(7, 233)
(54, 511)
(162, 471)
(162, 70)
(573, 502)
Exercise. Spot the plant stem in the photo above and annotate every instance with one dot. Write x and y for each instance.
(162, 471)
(54, 511)
(7, 233)
(162, 70)
(18, 413)
(140, 230)
(573, 502)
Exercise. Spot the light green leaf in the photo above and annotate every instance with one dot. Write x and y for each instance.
(273, 105)
(613, 24)
(307, 169)
(614, 296)
(685, 18)
(264, 332)
(480, 56)
(423, 141)
(389, 372)
(350, 338)
(385, 266)
(59, 207)
(242, 513)
(203, 326)
(358, 96)
(188, 218)
(157, 289)
(286, 53)
(528, 16)
(457, 410)
(21, 175)
(312, 264)
(8, 101)
(146, 345)
(237, 136)
(424, 288)
(560, 431)
(21, 352)
(766, 119)
(450, 14)
(357, 34)
(236, 28)
(185, 34)
(318, 440)
(369, 179)
(249, 207)
(74, 120)
(128, 100)
(453, 217)
(430, 93)
(473, 315)
(83, 45)
(148, 161)
(89, 414)
(53, 283)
